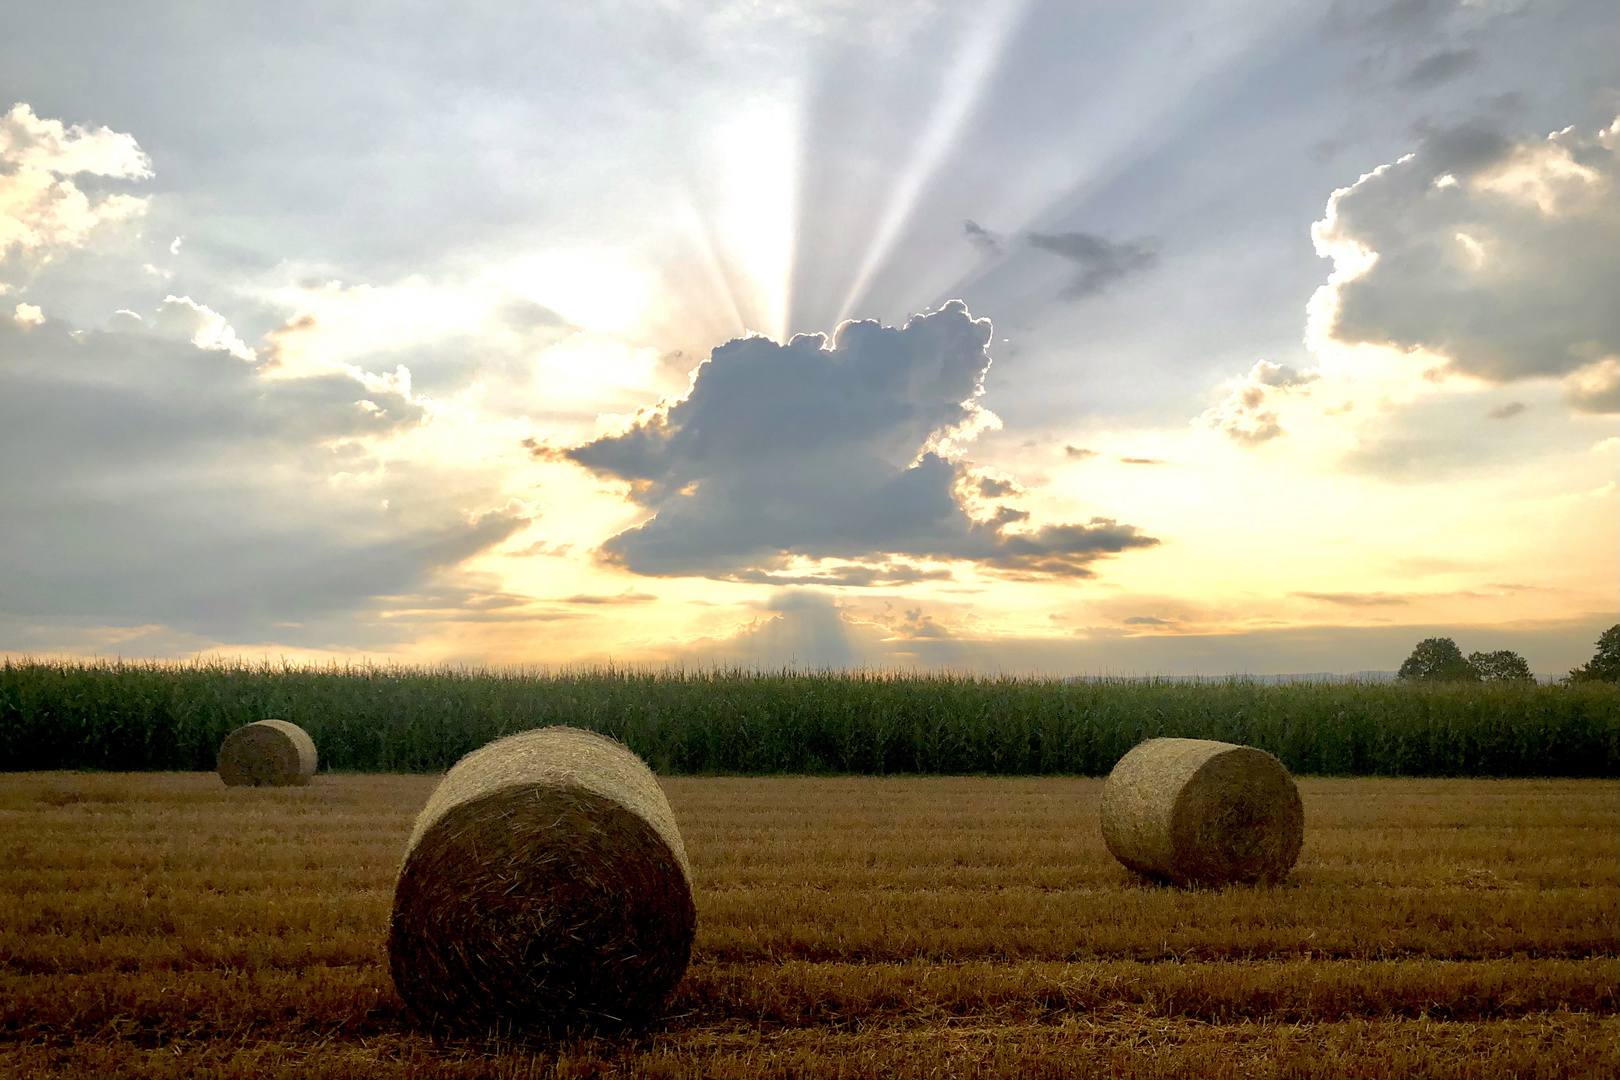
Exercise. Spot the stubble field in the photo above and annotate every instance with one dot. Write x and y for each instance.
(160, 924)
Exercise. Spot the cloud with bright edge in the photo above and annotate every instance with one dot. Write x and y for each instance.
(832, 462)
(166, 479)
(41, 207)
(178, 482)
(1476, 256)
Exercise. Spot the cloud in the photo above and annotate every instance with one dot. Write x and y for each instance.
(913, 625)
(884, 572)
(807, 629)
(1101, 262)
(1355, 599)
(1595, 387)
(1478, 255)
(41, 206)
(1078, 453)
(1440, 67)
(1248, 415)
(800, 629)
(981, 238)
(206, 327)
(1501, 255)
(1142, 461)
(783, 456)
(991, 487)
(1398, 18)
(626, 597)
(168, 482)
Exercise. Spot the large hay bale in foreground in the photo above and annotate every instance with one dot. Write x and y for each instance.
(545, 886)
(268, 752)
(1197, 812)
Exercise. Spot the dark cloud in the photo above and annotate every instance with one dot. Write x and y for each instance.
(1442, 66)
(1147, 620)
(1400, 17)
(914, 625)
(1465, 147)
(1506, 412)
(828, 453)
(1101, 262)
(982, 238)
(992, 488)
(174, 485)
(1400, 25)
(1079, 453)
(1142, 461)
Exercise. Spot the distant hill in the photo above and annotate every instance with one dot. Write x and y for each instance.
(1274, 680)
(1269, 680)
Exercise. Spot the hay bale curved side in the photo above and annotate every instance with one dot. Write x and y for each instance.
(1199, 812)
(271, 753)
(545, 885)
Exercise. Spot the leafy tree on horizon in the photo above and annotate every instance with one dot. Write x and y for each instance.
(1503, 665)
(1437, 659)
(1605, 663)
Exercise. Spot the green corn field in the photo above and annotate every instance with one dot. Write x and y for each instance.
(134, 716)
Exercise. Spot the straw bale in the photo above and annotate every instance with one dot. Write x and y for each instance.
(269, 752)
(1198, 812)
(544, 886)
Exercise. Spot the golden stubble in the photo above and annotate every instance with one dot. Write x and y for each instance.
(161, 924)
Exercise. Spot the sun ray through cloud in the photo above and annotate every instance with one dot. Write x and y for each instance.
(980, 49)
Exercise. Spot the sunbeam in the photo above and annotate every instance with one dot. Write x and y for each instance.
(467, 335)
(983, 43)
(1214, 49)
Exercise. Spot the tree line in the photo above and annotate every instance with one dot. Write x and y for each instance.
(1439, 659)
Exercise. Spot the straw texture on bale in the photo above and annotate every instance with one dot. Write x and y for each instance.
(1197, 812)
(267, 753)
(544, 886)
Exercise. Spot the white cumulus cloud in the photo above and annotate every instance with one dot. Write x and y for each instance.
(1501, 256)
(1476, 255)
(1248, 415)
(41, 207)
(207, 328)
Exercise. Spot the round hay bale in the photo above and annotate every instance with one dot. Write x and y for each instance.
(1197, 812)
(544, 886)
(269, 752)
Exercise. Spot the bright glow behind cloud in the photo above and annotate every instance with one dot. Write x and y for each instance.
(757, 155)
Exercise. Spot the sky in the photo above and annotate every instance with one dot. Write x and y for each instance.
(1004, 336)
